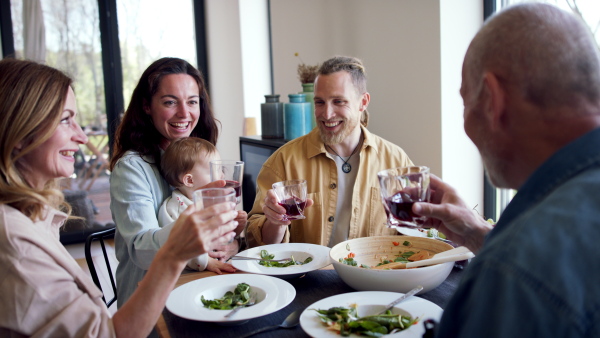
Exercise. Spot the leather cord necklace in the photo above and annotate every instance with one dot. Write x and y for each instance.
(346, 167)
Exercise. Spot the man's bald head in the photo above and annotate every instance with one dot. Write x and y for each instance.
(549, 55)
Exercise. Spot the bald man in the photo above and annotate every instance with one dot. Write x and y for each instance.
(531, 92)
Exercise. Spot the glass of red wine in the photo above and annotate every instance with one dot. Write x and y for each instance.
(204, 198)
(291, 195)
(232, 172)
(400, 188)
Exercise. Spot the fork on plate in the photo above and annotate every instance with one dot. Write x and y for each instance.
(251, 302)
(243, 258)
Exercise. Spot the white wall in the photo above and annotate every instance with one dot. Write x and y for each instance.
(398, 42)
(256, 61)
(225, 69)
(239, 66)
(412, 50)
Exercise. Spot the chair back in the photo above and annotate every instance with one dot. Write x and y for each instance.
(100, 236)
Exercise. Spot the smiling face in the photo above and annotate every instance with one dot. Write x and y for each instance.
(338, 107)
(55, 157)
(175, 108)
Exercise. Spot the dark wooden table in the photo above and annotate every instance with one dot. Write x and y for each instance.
(313, 286)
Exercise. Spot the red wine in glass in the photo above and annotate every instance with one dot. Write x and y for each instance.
(236, 186)
(293, 207)
(400, 206)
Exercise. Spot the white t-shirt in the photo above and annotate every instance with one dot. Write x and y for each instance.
(345, 189)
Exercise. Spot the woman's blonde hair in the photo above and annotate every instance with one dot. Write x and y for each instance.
(32, 97)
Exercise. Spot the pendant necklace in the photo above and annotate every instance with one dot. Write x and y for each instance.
(346, 167)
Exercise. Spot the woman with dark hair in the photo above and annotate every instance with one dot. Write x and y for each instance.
(169, 102)
(43, 291)
(138, 130)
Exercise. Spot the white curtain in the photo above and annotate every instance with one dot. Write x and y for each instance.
(34, 32)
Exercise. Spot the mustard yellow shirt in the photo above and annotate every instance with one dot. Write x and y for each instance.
(306, 158)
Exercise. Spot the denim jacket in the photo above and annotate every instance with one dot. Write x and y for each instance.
(537, 274)
(137, 191)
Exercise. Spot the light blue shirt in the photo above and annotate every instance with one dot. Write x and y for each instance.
(538, 272)
(137, 191)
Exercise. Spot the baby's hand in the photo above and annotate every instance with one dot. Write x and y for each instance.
(242, 219)
(218, 267)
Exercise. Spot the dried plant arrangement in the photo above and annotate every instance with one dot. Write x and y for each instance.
(306, 73)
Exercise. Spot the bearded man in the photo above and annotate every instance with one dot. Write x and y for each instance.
(339, 160)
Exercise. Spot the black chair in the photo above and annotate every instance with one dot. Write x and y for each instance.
(77, 230)
(100, 236)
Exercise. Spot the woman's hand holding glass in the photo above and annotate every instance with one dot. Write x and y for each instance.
(200, 231)
(207, 197)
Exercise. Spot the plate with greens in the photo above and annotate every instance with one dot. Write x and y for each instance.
(210, 299)
(294, 259)
(354, 313)
(430, 232)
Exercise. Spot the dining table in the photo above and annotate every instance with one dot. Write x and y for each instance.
(310, 288)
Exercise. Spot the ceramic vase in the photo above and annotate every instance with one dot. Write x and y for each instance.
(309, 90)
(271, 117)
(296, 117)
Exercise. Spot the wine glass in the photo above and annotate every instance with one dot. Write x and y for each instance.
(204, 198)
(400, 188)
(291, 195)
(232, 172)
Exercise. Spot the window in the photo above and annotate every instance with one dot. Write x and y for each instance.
(65, 35)
(588, 10)
(149, 30)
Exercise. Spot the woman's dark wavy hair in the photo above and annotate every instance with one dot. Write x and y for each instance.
(137, 132)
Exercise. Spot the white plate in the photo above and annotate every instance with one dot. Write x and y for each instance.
(300, 251)
(370, 302)
(272, 294)
(412, 232)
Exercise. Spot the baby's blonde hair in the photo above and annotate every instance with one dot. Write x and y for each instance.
(181, 156)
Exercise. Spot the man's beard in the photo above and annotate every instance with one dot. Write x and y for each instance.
(331, 138)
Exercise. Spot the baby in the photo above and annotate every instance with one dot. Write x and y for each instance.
(185, 165)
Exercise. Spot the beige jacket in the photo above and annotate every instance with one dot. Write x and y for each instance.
(43, 291)
(306, 158)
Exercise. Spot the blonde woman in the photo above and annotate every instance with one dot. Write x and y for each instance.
(43, 291)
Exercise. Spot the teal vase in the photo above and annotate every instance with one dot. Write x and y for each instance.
(271, 117)
(296, 117)
(308, 89)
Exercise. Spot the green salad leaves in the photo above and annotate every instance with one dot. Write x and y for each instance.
(239, 297)
(402, 257)
(264, 254)
(345, 321)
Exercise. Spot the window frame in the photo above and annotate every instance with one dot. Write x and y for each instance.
(490, 193)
